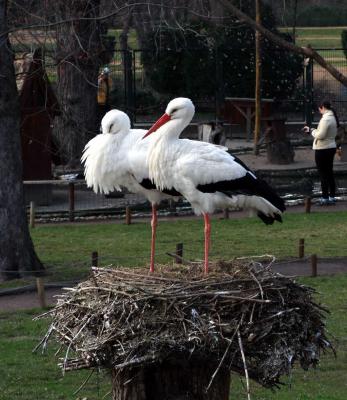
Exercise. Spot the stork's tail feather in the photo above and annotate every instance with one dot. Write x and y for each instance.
(265, 190)
(269, 220)
(268, 203)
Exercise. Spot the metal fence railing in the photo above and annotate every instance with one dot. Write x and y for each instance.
(133, 91)
(326, 87)
(70, 200)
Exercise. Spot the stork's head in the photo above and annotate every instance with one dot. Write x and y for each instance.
(180, 110)
(114, 122)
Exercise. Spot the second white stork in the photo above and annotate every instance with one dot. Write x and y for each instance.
(205, 174)
(113, 160)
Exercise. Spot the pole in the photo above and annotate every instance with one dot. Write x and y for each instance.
(301, 248)
(128, 215)
(95, 259)
(257, 124)
(71, 201)
(41, 292)
(32, 214)
(219, 79)
(308, 205)
(295, 20)
(308, 91)
(179, 253)
(226, 213)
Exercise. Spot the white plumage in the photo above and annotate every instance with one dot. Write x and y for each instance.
(113, 159)
(205, 174)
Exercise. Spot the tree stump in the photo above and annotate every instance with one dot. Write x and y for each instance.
(171, 381)
(279, 148)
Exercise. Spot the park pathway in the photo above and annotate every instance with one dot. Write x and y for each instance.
(28, 300)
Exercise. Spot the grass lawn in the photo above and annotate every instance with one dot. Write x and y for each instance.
(28, 376)
(318, 38)
(66, 249)
(322, 38)
(325, 37)
(132, 38)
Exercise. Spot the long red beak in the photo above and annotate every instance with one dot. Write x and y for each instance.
(161, 121)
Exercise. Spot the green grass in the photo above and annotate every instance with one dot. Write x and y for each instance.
(66, 250)
(322, 38)
(31, 376)
(132, 38)
(317, 37)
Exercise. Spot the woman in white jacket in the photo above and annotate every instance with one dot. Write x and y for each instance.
(324, 146)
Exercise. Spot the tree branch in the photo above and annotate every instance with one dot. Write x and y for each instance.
(306, 51)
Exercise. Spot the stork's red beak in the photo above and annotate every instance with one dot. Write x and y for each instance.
(161, 121)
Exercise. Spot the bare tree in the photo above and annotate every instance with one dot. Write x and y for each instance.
(17, 254)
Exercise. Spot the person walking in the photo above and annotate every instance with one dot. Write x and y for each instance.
(324, 146)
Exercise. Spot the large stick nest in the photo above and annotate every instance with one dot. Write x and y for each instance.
(242, 317)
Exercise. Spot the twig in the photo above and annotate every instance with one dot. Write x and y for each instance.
(244, 364)
(84, 383)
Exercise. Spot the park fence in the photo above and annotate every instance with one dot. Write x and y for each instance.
(133, 93)
(62, 200)
(131, 90)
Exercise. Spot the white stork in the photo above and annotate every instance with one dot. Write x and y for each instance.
(112, 160)
(205, 174)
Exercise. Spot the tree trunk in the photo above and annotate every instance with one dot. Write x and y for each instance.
(127, 59)
(278, 146)
(79, 57)
(171, 381)
(17, 254)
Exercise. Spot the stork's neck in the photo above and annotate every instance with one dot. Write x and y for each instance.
(162, 153)
(173, 128)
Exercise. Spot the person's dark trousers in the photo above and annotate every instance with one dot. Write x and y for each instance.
(324, 161)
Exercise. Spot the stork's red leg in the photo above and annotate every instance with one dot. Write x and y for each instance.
(154, 230)
(207, 239)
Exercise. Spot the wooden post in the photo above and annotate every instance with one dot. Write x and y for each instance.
(41, 292)
(301, 248)
(226, 213)
(128, 215)
(32, 215)
(179, 253)
(95, 259)
(314, 265)
(308, 205)
(71, 201)
(257, 80)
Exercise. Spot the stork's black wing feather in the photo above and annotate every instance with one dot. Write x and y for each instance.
(148, 184)
(248, 185)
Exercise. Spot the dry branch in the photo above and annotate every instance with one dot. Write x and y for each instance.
(307, 51)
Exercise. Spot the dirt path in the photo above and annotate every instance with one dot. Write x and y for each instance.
(27, 300)
(331, 266)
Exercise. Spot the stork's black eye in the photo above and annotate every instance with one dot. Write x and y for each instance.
(174, 110)
(110, 128)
